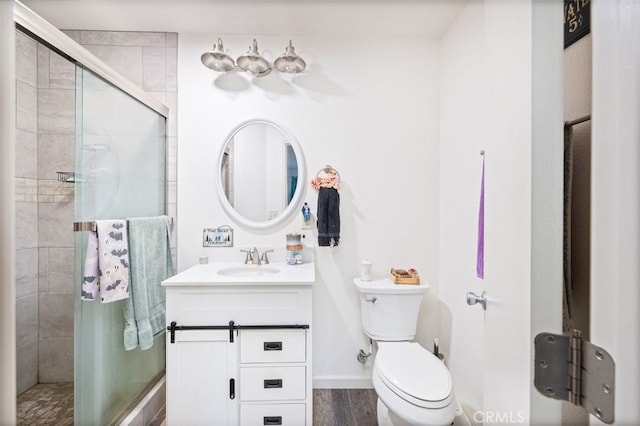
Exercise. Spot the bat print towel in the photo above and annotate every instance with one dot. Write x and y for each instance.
(106, 268)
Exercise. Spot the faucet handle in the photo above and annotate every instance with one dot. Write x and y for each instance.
(264, 260)
(249, 258)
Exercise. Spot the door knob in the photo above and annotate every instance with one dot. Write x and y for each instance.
(473, 298)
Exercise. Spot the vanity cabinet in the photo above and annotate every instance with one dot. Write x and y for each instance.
(238, 353)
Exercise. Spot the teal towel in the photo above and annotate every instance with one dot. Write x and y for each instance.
(150, 257)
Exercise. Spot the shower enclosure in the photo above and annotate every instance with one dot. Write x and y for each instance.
(90, 145)
(119, 173)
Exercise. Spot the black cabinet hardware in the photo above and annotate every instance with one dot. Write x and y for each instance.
(173, 327)
(272, 346)
(272, 383)
(272, 420)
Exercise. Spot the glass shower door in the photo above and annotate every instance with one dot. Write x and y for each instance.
(119, 173)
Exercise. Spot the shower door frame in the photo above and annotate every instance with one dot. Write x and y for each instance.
(66, 46)
(42, 31)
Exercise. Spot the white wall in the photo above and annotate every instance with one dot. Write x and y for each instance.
(462, 108)
(367, 106)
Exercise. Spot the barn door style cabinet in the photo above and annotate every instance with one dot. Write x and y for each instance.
(239, 350)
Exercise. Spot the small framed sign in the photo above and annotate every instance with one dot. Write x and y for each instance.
(577, 20)
(217, 237)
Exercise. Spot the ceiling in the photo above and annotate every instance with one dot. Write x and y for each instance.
(426, 18)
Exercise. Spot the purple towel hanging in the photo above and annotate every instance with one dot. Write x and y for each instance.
(480, 255)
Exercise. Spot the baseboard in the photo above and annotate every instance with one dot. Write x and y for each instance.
(148, 406)
(342, 382)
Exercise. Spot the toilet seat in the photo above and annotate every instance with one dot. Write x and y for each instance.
(414, 374)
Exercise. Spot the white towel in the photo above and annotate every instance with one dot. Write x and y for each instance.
(106, 268)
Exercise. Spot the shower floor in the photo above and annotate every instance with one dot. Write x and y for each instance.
(46, 404)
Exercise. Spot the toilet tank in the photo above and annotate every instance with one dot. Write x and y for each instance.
(389, 311)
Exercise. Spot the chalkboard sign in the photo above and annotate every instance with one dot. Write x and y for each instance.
(577, 20)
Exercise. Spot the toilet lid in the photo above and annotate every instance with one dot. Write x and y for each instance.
(409, 369)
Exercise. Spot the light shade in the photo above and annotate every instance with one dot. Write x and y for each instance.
(289, 61)
(253, 63)
(216, 59)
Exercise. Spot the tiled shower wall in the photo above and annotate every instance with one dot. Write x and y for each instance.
(45, 86)
(44, 144)
(149, 60)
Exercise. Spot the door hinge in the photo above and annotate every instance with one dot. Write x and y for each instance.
(575, 370)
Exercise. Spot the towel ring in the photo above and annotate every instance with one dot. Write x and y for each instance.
(327, 169)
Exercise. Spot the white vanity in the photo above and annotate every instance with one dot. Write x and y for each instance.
(239, 344)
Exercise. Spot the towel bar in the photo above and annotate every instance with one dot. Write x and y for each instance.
(91, 226)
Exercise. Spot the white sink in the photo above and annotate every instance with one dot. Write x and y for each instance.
(222, 273)
(248, 271)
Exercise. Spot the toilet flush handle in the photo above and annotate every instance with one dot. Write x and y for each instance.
(373, 300)
(473, 298)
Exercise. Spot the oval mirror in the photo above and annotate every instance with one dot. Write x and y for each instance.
(261, 174)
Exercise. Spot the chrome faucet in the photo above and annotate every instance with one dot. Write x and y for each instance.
(253, 257)
(264, 260)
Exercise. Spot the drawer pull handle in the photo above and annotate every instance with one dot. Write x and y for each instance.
(232, 388)
(272, 346)
(272, 383)
(272, 420)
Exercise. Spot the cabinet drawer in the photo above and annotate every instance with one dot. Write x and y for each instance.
(272, 346)
(272, 383)
(272, 414)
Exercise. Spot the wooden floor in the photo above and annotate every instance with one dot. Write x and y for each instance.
(344, 407)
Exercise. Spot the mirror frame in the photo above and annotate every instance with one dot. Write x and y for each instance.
(297, 195)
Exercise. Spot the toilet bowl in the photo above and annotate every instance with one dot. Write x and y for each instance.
(414, 387)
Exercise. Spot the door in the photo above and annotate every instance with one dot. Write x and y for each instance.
(119, 174)
(202, 384)
(615, 210)
(523, 206)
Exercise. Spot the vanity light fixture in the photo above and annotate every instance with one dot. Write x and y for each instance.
(216, 59)
(252, 61)
(289, 61)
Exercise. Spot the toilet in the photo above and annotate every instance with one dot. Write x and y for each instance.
(414, 387)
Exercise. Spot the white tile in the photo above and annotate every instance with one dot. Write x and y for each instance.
(26, 272)
(26, 320)
(172, 69)
(26, 225)
(55, 318)
(172, 103)
(26, 107)
(122, 38)
(62, 72)
(26, 59)
(56, 111)
(61, 269)
(26, 154)
(43, 270)
(56, 360)
(73, 34)
(153, 68)
(127, 60)
(27, 366)
(172, 158)
(55, 225)
(171, 39)
(55, 154)
(43, 66)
